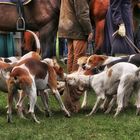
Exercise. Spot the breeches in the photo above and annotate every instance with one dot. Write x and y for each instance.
(76, 49)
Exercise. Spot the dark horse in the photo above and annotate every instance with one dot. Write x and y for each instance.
(40, 15)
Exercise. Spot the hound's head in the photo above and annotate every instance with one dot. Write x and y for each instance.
(74, 88)
(95, 60)
(82, 61)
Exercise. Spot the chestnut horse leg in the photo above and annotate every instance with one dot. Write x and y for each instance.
(99, 37)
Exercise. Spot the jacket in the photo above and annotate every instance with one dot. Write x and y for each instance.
(74, 20)
(119, 11)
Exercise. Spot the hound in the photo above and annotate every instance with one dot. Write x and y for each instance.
(118, 80)
(30, 76)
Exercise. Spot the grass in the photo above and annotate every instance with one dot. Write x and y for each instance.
(79, 127)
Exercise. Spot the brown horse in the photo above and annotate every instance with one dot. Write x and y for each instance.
(39, 15)
(98, 9)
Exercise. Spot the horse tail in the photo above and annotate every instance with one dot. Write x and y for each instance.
(38, 48)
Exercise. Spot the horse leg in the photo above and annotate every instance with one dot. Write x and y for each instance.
(99, 36)
(47, 40)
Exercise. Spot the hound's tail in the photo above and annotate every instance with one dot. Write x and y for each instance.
(38, 50)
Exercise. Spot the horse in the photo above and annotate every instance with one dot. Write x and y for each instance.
(98, 10)
(39, 15)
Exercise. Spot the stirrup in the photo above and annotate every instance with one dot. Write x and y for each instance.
(20, 24)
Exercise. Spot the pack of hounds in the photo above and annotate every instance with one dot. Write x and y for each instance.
(114, 80)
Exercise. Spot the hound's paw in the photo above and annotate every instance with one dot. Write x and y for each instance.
(67, 115)
(48, 114)
(83, 106)
(9, 119)
(88, 115)
(107, 111)
(138, 111)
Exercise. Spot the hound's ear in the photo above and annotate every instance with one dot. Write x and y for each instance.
(61, 70)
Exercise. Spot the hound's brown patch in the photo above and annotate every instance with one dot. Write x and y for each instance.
(96, 60)
(22, 76)
(34, 56)
(88, 72)
(4, 65)
(59, 71)
(110, 72)
(37, 68)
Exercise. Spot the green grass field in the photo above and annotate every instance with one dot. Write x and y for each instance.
(78, 127)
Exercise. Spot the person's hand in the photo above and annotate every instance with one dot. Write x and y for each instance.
(90, 37)
(122, 30)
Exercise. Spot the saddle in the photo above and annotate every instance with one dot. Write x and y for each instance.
(20, 25)
(14, 2)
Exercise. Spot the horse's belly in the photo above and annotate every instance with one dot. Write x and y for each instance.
(100, 9)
